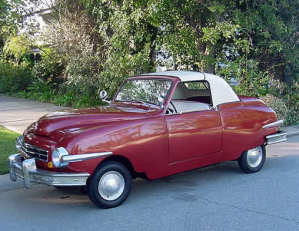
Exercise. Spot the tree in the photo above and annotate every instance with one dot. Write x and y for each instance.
(7, 18)
(253, 41)
(13, 18)
(17, 48)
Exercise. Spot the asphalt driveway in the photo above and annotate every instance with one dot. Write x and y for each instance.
(16, 113)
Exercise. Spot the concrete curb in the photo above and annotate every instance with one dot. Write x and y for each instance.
(291, 130)
(12, 128)
(289, 134)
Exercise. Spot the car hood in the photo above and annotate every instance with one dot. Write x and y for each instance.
(55, 125)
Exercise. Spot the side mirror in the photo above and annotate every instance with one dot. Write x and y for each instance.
(103, 96)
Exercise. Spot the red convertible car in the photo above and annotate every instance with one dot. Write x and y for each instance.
(158, 124)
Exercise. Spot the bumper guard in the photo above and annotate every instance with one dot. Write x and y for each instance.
(27, 171)
(276, 138)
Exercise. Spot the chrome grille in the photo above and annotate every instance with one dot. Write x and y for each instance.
(31, 151)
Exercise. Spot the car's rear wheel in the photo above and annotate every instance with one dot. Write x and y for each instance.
(253, 159)
(110, 185)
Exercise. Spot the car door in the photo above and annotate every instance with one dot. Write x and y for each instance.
(195, 133)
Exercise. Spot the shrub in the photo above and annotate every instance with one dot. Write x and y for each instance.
(252, 81)
(277, 104)
(292, 102)
(14, 78)
(17, 48)
(46, 91)
(41, 90)
(289, 94)
(50, 67)
(75, 100)
(82, 74)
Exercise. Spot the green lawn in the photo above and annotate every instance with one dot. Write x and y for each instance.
(7, 147)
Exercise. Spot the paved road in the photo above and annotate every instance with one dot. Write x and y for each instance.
(16, 113)
(214, 198)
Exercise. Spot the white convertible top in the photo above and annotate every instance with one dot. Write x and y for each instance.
(220, 89)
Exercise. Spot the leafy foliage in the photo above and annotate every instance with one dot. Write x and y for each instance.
(14, 78)
(290, 96)
(7, 18)
(46, 91)
(50, 67)
(17, 48)
(96, 44)
(277, 104)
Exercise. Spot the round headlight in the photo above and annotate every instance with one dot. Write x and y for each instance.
(57, 155)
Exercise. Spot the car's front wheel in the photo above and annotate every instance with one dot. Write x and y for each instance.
(110, 185)
(253, 159)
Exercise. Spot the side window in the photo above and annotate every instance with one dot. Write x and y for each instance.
(200, 85)
(192, 96)
(198, 91)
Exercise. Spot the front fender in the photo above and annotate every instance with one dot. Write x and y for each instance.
(143, 142)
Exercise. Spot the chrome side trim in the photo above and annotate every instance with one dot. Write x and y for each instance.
(81, 157)
(276, 138)
(27, 171)
(274, 124)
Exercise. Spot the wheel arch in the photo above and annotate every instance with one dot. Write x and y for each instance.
(125, 161)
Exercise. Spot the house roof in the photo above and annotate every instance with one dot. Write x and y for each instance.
(220, 89)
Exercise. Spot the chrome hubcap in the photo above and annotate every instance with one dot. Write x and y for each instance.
(111, 185)
(254, 156)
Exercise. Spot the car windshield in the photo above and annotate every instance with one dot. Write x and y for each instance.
(152, 91)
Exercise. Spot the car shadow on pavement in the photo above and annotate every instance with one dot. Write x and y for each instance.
(142, 189)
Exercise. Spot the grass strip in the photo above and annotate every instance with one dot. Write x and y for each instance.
(7, 147)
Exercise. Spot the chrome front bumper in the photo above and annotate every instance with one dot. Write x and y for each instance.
(276, 138)
(27, 171)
